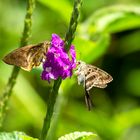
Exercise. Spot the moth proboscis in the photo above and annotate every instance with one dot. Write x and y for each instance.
(91, 76)
(28, 56)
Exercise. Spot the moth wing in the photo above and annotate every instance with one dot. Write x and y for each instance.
(37, 53)
(19, 57)
(95, 77)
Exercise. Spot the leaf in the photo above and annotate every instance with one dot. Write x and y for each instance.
(89, 50)
(113, 19)
(77, 135)
(93, 35)
(26, 104)
(124, 120)
(62, 7)
(15, 136)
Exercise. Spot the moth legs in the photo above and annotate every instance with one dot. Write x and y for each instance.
(87, 97)
(88, 100)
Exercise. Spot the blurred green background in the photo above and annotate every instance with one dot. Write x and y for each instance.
(108, 36)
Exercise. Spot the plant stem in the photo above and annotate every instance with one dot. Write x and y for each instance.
(53, 95)
(51, 102)
(73, 24)
(24, 41)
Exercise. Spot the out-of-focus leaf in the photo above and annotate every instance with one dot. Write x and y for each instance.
(132, 81)
(77, 115)
(77, 135)
(124, 120)
(113, 19)
(25, 100)
(128, 44)
(63, 7)
(15, 136)
(89, 50)
(93, 35)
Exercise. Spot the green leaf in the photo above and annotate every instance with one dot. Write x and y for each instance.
(94, 34)
(15, 136)
(124, 120)
(63, 7)
(77, 135)
(113, 19)
(26, 103)
(89, 50)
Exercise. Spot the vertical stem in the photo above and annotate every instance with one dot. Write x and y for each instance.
(73, 24)
(24, 41)
(51, 102)
(27, 23)
(53, 95)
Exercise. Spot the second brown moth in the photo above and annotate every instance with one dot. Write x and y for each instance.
(27, 57)
(91, 76)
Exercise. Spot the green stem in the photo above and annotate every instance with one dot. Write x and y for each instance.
(24, 41)
(73, 24)
(53, 95)
(51, 102)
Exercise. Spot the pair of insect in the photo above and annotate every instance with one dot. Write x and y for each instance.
(31, 56)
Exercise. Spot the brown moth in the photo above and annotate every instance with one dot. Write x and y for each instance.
(91, 76)
(28, 56)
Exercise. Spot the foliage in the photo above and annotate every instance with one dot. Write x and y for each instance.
(15, 136)
(22, 136)
(77, 135)
(24, 41)
(107, 36)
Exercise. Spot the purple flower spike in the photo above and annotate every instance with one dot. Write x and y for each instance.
(58, 63)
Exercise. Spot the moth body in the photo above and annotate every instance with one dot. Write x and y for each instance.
(91, 76)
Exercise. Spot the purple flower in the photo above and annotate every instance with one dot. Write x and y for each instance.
(58, 63)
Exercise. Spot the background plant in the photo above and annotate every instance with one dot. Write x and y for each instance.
(107, 37)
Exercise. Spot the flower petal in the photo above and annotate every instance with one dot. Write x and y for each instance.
(58, 64)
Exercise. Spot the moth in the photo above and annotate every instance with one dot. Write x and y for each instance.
(91, 76)
(27, 57)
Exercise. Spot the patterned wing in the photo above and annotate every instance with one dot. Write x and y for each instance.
(27, 57)
(95, 77)
(37, 54)
(18, 57)
(90, 76)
